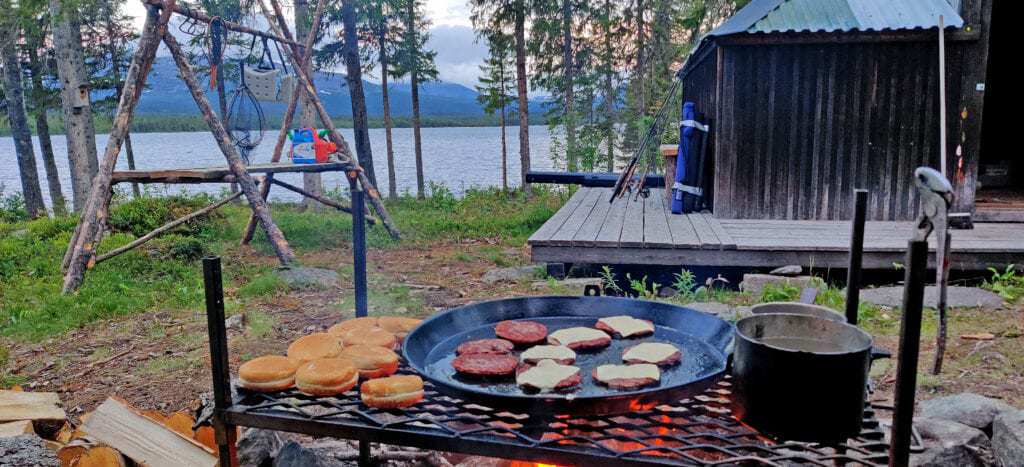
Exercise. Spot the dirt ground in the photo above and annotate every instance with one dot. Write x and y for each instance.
(159, 360)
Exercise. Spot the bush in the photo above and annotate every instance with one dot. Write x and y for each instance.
(12, 207)
(141, 215)
(179, 247)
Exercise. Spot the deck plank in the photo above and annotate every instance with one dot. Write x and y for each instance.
(587, 234)
(611, 230)
(708, 239)
(656, 230)
(683, 234)
(564, 235)
(726, 240)
(544, 233)
(633, 224)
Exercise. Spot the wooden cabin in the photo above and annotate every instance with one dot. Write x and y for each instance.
(809, 99)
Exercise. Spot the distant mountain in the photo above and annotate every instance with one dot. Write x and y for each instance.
(166, 94)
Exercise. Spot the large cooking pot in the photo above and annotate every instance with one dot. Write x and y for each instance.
(800, 377)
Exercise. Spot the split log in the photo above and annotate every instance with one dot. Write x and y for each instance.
(41, 406)
(304, 80)
(82, 246)
(245, 181)
(322, 199)
(181, 422)
(164, 228)
(85, 453)
(289, 114)
(142, 439)
(18, 428)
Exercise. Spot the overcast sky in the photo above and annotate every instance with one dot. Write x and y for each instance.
(458, 54)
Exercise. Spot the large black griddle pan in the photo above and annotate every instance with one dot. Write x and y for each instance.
(705, 341)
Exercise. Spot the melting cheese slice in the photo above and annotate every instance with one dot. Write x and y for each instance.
(546, 375)
(569, 336)
(627, 326)
(607, 373)
(547, 352)
(650, 352)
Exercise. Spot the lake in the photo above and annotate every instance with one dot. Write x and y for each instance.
(458, 157)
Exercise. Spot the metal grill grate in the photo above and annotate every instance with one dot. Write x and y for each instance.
(697, 431)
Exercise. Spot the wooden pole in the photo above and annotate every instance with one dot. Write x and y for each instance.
(168, 226)
(323, 200)
(307, 84)
(293, 102)
(245, 181)
(907, 357)
(203, 17)
(83, 242)
(942, 97)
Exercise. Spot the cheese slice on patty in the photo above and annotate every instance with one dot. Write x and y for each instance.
(627, 326)
(605, 373)
(547, 352)
(650, 352)
(570, 336)
(546, 375)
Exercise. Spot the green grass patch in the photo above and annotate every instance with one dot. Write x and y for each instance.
(263, 285)
(165, 364)
(258, 324)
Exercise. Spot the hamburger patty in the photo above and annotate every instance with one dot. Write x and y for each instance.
(565, 383)
(626, 376)
(492, 346)
(486, 364)
(580, 338)
(521, 332)
(658, 353)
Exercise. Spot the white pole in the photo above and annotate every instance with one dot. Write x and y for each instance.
(942, 97)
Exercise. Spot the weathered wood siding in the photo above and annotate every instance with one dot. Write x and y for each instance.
(799, 126)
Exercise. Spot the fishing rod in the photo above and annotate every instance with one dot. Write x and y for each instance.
(624, 182)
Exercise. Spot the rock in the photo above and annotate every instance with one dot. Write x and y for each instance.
(667, 292)
(257, 447)
(305, 277)
(574, 285)
(790, 270)
(510, 274)
(711, 308)
(26, 451)
(958, 297)
(20, 233)
(294, 455)
(235, 322)
(1008, 437)
(966, 408)
(755, 283)
(950, 443)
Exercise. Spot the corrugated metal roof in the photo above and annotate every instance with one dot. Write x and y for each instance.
(854, 15)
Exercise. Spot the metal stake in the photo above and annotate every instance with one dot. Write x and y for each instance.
(853, 272)
(910, 342)
(358, 242)
(224, 433)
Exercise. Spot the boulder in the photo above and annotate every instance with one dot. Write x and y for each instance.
(235, 322)
(26, 451)
(789, 270)
(969, 409)
(711, 308)
(258, 447)
(754, 284)
(950, 443)
(301, 277)
(510, 274)
(1008, 437)
(292, 454)
(958, 297)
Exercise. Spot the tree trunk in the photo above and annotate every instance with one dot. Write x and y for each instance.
(311, 182)
(392, 179)
(609, 90)
(354, 78)
(417, 140)
(43, 132)
(524, 110)
(20, 131)
(504, 152)
(74, 93)
(567, 88)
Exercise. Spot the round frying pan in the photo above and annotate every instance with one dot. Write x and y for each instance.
(705, 342)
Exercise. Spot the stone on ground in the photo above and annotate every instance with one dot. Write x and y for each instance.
(305, 277)
(957, 296)
(789, 270)
(257, 446)
(26, 451)
(969, 409)
(756, 283)
(1008, 437)
(235, 322)
(511, 274)
(292, 454)
(574, 285)
(950, 443)
(711, 308)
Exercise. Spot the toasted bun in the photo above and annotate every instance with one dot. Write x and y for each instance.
(314, 346)
(371, 361)
(398, 325)
(355, 323)
(268, 373)
(370, 336)
(392, 392)
(326, 376)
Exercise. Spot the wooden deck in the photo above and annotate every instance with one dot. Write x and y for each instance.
(589, 229)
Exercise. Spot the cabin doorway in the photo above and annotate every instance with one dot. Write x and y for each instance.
(1000, 195)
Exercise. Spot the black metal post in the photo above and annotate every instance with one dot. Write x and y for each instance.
(358, 243)
(910, 347)
(853, 271)
(225, 433)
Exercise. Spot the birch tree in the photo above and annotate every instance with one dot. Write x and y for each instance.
(414, 60)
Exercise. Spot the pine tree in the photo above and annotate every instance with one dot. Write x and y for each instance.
(495, 88)
(414, 60)
(40, 99)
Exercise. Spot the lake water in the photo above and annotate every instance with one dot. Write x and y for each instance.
(458, 157)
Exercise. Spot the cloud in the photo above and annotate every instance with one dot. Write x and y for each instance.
(459, 56)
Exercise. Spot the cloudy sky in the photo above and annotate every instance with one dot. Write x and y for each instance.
(458, 54)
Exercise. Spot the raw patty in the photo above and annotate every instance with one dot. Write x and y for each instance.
(521, 332)
(567, 383)
(486, 364)
(598, 340)
(492, 346)
(662, 348)
(609, 325)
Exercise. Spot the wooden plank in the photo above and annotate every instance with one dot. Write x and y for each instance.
(587, 234)
(555, 222)
(142, 439)
(656, 230)
(683, 234)
(18, 428)
(708, 239)
(214, 174)
(633, 224)
(611, 230)
(723, 237)
(565, 233)
(18, 405)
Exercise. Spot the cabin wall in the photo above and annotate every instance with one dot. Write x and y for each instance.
(802, 125)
